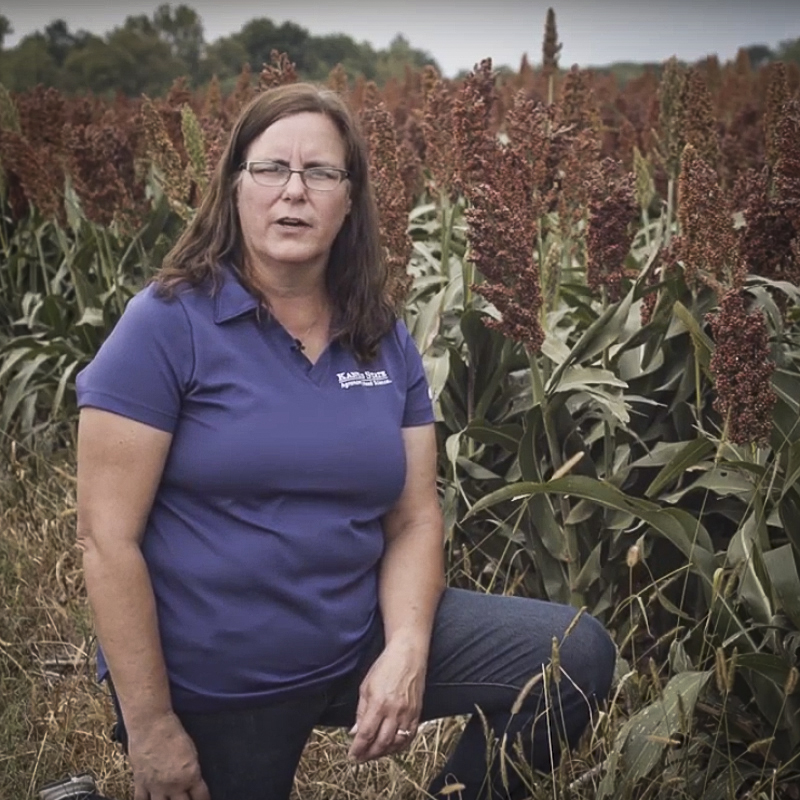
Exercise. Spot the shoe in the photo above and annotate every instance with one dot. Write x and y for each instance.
(76, 787)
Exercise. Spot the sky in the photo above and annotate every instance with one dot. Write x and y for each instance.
(459, 33)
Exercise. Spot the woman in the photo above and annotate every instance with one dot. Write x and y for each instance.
(257, 504)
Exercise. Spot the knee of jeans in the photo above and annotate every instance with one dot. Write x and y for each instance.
(589, 657)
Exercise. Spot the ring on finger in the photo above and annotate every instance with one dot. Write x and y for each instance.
(404, 733)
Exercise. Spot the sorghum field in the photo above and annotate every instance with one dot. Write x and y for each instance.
(603, 281)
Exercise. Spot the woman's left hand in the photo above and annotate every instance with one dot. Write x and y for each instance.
(389, 704)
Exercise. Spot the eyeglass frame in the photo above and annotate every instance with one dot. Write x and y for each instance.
(246, 166)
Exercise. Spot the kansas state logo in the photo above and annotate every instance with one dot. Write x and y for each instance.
(350, 379)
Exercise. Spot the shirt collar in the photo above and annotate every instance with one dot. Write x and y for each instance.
(232, 299)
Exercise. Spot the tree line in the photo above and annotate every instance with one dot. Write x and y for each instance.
(147, 53)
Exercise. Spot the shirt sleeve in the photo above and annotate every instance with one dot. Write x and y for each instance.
(144, 367)
(418, 409)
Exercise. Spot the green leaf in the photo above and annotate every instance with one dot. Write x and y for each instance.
(787, 387)
(703, 346)
(599, 336)
(422, 210)
(20, 386)
(689, 455)
(475, 470)
(11, 358)
(92, 316)
(754, 586)
(555, 349)
(487, 392)
(686, 533)
(789, 510)
(721, 481)
(641, 741)
(793, 469)
(771, 667)
(781, 566)
(580, 378)
(581, 512)
(613, 404)
(528, 456)
(62, 385)
(546, 527)
(590, 571)
(507, 436)
(437, 369)
(427, 324)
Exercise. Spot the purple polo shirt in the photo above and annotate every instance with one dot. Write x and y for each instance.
(264, 539)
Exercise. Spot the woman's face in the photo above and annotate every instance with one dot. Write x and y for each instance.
(292, 225)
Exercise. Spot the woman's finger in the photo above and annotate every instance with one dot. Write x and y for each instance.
(385, 740)
(403, 737)
(200, 791)
(365, 730)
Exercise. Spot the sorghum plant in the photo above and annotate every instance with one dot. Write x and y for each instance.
(699, 121)
(765, 241)
(777, 96)
(708, 241)
(281, 71)
(671, 99)
(742, 370)
(100, 162)
(610, 230)
(473, 126)
(502, 236)
(437, 133)
(551, 47)
(393, 202)
(162, 153)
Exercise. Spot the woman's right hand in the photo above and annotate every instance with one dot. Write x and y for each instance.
(164, 762)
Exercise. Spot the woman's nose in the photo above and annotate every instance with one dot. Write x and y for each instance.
(294, 186)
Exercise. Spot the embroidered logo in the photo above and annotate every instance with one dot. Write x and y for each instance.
(349, 379)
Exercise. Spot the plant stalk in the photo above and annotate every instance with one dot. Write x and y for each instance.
(570, 534)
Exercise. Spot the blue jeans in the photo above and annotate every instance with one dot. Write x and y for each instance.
(484, 650)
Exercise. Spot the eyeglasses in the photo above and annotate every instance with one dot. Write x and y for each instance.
(272, 174)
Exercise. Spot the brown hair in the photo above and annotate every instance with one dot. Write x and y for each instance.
(356, 274)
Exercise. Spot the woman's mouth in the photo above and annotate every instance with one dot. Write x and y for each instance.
(292, 222)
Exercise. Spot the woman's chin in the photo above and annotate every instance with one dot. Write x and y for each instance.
(291, 257)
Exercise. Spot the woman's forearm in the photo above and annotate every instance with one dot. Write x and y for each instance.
(122, 601)
(412, 581)
(412, 569)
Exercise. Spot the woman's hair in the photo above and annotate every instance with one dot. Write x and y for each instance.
(356, 274)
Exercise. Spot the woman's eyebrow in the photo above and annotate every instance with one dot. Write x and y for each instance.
(310, 164)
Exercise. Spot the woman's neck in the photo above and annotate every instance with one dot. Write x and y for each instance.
(298, 300)
(288, 285)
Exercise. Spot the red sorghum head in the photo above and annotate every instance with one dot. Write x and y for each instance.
(742, 369)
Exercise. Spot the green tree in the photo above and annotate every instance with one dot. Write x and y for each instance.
(338, 48)
(28, 64)
(759, 54)
(95, 67)
(224, 58)
(261, 36)
(5, 29)
(59, 40)
(392, 62)
(141, 24)
(146, 63)
(182, 29)
(132, 59)
(789, 50)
